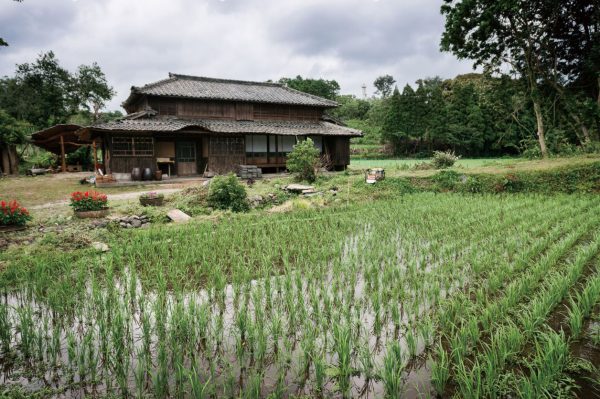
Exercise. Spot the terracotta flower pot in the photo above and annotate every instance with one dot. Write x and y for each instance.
(92, 214)
(152, 201)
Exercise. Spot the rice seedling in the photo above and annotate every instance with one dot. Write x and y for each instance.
(440, 369)
(393, 367)
(321, 300)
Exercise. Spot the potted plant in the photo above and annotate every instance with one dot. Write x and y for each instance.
(89, 204)
(152, 199)
(13, 216)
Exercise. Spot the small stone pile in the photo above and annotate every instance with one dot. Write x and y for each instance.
(249, 172)
(134, 222)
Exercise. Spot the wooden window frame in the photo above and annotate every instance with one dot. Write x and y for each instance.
(135, 149)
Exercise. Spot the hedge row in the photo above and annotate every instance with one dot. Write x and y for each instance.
(570, 179)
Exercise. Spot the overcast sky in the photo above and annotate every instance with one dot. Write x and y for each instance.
(140, 41)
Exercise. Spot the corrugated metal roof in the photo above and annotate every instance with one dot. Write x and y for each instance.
(290, 128)
(186, 86)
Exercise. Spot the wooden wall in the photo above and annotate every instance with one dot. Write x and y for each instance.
(338, 149)
(189, 108)
(126, 164)
(225, 153)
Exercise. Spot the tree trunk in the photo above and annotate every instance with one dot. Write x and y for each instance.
(13, 159)
(599, 91)
(540, 127)
(4, 160)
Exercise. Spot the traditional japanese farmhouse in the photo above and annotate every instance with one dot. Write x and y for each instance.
(189, 125)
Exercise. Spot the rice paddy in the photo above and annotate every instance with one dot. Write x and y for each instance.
(426, 295)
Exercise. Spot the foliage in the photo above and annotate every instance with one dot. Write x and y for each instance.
(191, 200)
(226, 192)
(319, 87)
(482, 275)
(444, 159)
(44, 93)
(88, 201)
(12, 131)
(351, 108)
(13, 214)
(384, 85)
(446, 180)
(303, 161)
(543, 42)
(152, 195)
(93, 91)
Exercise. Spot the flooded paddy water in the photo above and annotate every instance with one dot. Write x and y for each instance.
(363, 321)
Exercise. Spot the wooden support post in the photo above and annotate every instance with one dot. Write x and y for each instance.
(95, 152)
(62, 154)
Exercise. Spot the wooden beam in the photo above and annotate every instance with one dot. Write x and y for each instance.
(62, 154)
(95, 152)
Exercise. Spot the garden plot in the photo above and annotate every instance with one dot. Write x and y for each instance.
(428, 293)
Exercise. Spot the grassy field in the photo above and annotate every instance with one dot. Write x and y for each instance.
(423, 294)
(403, 167)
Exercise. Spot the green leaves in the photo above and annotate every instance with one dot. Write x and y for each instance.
(226, 192)
(304, 160)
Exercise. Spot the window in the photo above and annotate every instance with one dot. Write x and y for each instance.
(286, 144)
(318, 141)
(133, 146)
(186, 152)
(256, 146)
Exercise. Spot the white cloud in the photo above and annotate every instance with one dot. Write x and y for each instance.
(140, 41)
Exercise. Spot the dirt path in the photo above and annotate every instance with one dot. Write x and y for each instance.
(111, 197)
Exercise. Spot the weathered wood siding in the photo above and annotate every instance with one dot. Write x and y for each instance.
(225, 153)
(338, 149)
(188, 108)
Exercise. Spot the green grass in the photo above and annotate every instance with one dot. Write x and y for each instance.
(403, 167)
(334, 301)
(403, 163)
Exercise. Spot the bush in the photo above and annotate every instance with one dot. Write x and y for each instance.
(226, 192)
(88, 201)
(191, 200)
(446, 180)
(303, 161)
(13, 214)
(444, 159)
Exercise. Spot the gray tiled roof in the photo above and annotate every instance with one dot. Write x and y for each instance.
(221, 89)
(290, 128)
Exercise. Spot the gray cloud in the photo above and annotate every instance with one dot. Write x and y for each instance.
(140, 41)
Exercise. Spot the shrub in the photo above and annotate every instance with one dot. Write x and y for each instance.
(444, 159)
(13, 214)
(191, 200)
(446, 180)
(152, 195)
(472, 185)
(303, 161)
(226, 192)
(88, 201)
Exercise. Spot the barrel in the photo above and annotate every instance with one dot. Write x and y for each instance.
(136, 174)
(147, 175)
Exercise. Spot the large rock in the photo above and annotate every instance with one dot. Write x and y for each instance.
(177, 216)
(299, 188)
(100, 246)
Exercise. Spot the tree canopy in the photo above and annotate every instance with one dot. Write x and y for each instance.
(546, 43)
(43, 93)
(319, 87)
(384, 85)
